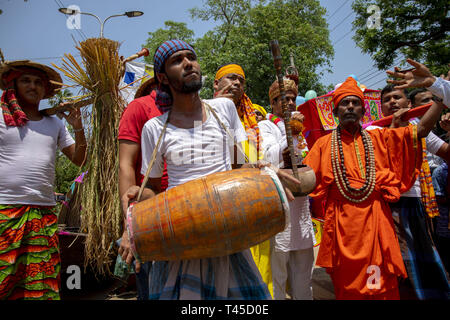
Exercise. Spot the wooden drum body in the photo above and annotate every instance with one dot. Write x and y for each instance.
(217, 215)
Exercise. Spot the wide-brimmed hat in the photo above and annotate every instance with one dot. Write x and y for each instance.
(52, 75)
(144, 88)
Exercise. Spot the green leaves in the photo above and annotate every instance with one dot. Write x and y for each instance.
(415, 29)
(65, 170)
(172, 30)
(243, 34)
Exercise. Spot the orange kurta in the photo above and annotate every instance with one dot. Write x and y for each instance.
(359, 246)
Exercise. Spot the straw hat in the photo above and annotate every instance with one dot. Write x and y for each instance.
(145, 88)
(52, 75)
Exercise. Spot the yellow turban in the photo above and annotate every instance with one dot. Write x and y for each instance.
(260, 109)
(289, 85)
(229, 68)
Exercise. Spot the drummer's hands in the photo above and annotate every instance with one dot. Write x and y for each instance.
(125, 246)
(284, 177)
(126, 253)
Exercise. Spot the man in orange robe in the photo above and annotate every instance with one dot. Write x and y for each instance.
(359, 247)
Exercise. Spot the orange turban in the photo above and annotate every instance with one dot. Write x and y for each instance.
(348, 88)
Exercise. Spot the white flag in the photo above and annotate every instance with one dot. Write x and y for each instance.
(132, 79)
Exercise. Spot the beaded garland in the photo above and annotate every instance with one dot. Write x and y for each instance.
(356, 195)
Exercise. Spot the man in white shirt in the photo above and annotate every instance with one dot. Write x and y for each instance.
(292, 255)
(29, 254)
(188, 157)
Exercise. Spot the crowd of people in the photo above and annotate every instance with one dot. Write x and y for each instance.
(384, 190)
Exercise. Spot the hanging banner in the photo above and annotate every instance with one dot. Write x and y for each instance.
(135, 74)
(324, 105)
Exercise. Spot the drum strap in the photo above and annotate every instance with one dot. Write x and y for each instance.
(152, 159)
(226, 130)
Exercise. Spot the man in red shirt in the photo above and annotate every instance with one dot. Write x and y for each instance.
(137, 113)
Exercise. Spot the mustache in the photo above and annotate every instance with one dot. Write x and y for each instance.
(191, 72)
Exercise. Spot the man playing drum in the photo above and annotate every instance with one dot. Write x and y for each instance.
(194, 145)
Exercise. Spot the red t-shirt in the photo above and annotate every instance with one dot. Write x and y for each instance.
(136, 114)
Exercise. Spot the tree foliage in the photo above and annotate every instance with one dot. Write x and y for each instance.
(172, 30)
(65, 170)
(415, 29)
(242, 36)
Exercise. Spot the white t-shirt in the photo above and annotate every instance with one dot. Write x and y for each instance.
(433, 144)
(27, 160)
(299, 232)
(196, 152)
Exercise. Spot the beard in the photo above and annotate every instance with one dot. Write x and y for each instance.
(189, 86)
(192, 86)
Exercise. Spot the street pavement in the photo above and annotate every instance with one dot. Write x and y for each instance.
(108, 290)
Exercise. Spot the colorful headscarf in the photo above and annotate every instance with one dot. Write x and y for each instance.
(245, 107)
(348, 88)
(167, 49)
(164, 51)
(229, 68)
(274, 90)
(426, 186)
(12, 112)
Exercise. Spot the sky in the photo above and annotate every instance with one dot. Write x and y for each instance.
(36, 30)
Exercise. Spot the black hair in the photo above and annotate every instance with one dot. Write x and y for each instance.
(389, 88)
(414, 93)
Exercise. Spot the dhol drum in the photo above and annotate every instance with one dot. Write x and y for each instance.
(216, 215)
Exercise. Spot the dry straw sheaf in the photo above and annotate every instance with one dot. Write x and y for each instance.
(98, 77)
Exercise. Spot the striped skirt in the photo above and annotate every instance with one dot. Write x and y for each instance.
(229, 277)
(426, 272)
(29, 256)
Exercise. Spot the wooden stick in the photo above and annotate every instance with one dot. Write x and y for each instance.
(144, 52)
(67, 106)
(275, 48)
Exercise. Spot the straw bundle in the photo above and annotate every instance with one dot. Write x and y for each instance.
(98, 195)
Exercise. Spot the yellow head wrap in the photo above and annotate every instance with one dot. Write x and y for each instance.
(229, 68)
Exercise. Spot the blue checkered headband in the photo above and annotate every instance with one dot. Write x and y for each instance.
(167, 49)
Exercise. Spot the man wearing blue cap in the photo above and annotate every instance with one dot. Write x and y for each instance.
(192, 131)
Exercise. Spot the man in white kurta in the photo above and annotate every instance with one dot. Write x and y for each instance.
(292, 255)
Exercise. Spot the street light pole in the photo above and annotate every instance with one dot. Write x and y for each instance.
(103, 23)
(129, 14)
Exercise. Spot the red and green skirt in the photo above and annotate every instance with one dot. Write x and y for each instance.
(29, 255)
